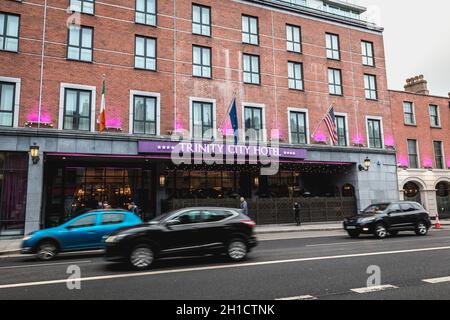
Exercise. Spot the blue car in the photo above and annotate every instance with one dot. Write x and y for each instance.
(84, 232)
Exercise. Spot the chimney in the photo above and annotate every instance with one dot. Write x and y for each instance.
(417, 85)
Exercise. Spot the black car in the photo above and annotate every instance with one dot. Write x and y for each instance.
(386, 218)
(190, 231)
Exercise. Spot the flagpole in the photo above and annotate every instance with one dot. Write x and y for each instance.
(318, 125)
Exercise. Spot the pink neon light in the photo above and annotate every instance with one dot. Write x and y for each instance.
(357, 139)
(276, 134)
(427, 163)
(114, 123)
(320, 137)
(403, 161)
(179, 126)
(34, 117)
(389, 141)
(448, 162)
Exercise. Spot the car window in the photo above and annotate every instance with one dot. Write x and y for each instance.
(190, 217)
(87, 221)
(406, 207)
(112, 218)
(376, 208)
(395, 208)
(215, 215)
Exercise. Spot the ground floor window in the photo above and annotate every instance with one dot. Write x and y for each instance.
(13, 190)
(412, 192)
(443, 199)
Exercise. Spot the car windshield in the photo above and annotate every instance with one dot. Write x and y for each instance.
(375, 208)
(162, 217)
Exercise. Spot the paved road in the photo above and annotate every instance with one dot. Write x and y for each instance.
(327, 267)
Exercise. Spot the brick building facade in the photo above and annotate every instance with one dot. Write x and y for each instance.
(162, 61)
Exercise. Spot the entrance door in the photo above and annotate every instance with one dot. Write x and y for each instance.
(412, 192)
(443, 199)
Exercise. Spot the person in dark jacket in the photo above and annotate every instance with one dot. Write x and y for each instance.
(297, 213)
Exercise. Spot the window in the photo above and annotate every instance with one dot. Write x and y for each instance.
(201, 61)
(80, 43)
(438, 154)
(341, 125)
(214, 216)
(251, 69)
(202, 120)
(145, 53)
(9, 32)
(250, 30)
(370, 87)
(190, 217)
(77, 110)
(298, 127)
(412, 154)
(293, 38)
(7, 94)
(146, 12)
(408, 110)
(112, 218)
(144, 115)
(374, 133)
(434, 116)
(88, 221)
(334, 82)
(332, 45)
(253, 124)
(295, 75)
(201, 20)
(367, 53)
(83, 6)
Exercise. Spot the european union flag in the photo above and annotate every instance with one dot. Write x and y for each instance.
(234, 120)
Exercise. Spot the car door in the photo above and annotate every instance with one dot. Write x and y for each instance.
(212, 231)
(410, 215)
(395, 216)
(80, 233)
(182, 232)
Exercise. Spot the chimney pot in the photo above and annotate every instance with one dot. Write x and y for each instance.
(417, 85)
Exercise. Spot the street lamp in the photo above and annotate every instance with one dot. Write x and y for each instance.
(366, 165)
(34, 153)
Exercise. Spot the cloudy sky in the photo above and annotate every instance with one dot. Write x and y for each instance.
(417, 40)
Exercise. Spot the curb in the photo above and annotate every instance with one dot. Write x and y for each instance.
(5, 253)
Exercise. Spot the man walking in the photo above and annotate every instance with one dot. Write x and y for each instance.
(244, 206)
(297, 213)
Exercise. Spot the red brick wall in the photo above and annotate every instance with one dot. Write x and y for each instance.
(114, 31)
(422, 131)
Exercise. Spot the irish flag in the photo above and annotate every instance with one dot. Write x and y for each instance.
(102, 116)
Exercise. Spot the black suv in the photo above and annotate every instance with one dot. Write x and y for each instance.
(191, 231)
(389, 217)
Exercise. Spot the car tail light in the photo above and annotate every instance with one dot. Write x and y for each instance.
(250, 223)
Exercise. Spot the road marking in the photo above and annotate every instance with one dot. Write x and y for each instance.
(227, 266)
(343, 243)
(307, 297)
(437, 280)
(374, 289)
(45, 264)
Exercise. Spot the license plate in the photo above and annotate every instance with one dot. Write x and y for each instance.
(351, 228)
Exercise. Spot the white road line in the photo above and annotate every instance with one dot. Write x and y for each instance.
(227, 266)
(45, 264)
(437, 280)
(374, 288)
(343, 243)
(307, 297)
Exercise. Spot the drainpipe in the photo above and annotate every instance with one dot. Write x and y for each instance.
(42, 64)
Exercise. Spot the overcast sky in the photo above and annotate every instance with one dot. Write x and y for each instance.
(417, 40)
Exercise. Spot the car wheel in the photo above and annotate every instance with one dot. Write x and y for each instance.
(47, 251)
(237, 250)
(353, 234)
(142, 257)
(421, 229)
(380, 231)
(393, 233)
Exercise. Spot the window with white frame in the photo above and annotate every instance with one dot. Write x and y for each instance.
(332, 46)
(202, 120)
(335, 82)
(9, 32)
(144, 115)
(298, 126)
(251, 69)
(293, 38)
(145, 53)
(77, 109)
(81, 42)
(408, 110)
(201, 61)
(341, 125)
(374, 131)
(83, 6)
(7, 103)
(370, 87)
(295, 75)
(146, 12)
(438, 155)
(413, 156)
(253, 121)
(367, 51)
(434, 115)
(201, 20)
(250, 32)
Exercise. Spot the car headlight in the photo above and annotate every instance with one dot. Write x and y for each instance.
(114, 239)
(27, 237)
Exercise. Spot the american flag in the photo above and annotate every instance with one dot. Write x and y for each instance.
(330, 120)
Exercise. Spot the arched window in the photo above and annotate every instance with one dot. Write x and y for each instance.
(348, 190)
(412, 192)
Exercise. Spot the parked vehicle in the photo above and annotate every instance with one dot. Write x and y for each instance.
(190, 231)
(386, 218)
(84, 232)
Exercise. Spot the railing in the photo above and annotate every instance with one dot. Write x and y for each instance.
(280, 210)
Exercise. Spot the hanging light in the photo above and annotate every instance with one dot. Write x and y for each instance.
(34, 153)
(366, 165)
(162, 181)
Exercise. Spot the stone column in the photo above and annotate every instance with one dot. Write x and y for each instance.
(34, 195)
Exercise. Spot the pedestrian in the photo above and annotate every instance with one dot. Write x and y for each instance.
(244, 206)
(297, 213)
